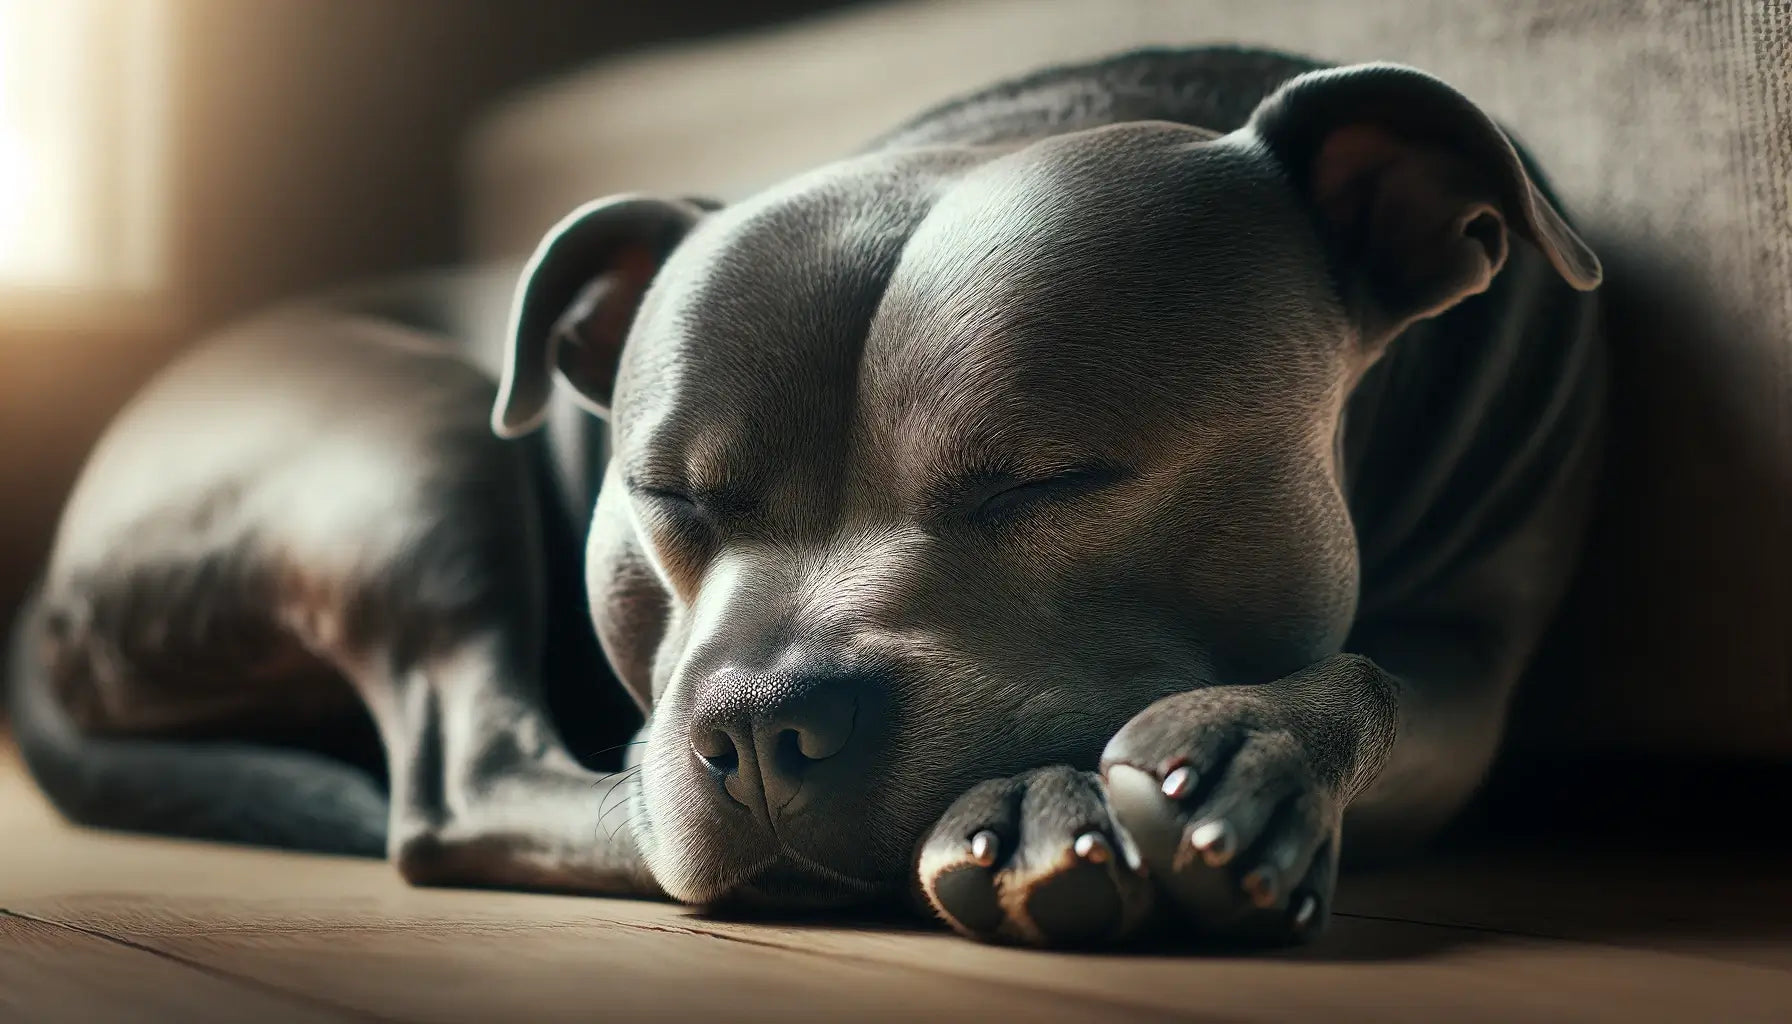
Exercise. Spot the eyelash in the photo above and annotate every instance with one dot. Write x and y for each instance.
(676, 510)
(667, 497)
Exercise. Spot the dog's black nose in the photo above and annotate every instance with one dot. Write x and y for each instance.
(773, 739)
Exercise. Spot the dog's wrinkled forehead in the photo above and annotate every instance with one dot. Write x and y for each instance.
(1078, 286)
(1105, 282)
(762, 311)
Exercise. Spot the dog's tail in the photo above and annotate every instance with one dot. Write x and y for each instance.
(229, 792)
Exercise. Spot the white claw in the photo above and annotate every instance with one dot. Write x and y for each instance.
(984, 847)
(1094, 848)
(1305, 912)
(1179, 782)
(1214, 842)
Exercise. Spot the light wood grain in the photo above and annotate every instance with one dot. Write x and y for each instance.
(51, 973)
(171, 928)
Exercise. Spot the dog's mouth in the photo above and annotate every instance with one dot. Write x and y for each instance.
(791, 884)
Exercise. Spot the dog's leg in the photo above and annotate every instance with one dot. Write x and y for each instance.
(238, 551)
(442, 635)
(483, 791)
(1236, 795)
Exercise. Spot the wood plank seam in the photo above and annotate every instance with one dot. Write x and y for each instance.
(275, 991)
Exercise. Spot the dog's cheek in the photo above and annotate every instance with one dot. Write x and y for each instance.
(629, 606)
(1282, 594)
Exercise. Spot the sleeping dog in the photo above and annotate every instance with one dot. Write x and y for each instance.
(1082, 509)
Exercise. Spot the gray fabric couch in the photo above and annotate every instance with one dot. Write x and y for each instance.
(1666, 125)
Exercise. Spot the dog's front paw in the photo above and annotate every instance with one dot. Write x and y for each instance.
(1035, 859)
(1235, 796)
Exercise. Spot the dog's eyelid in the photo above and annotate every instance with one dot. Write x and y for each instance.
(663, 489)
(1093, 472)
(712, 504)
(996, 495)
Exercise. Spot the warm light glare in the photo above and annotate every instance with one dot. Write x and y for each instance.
(81, 126)
(18, 195)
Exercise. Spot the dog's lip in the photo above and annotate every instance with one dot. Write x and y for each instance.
(790, 882)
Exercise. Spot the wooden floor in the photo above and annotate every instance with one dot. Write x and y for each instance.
(97, 927)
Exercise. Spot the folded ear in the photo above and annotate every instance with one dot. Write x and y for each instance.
(1414, 190)
(576, 299)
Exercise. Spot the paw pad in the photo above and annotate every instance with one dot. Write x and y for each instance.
(968, 894)
(1075, 906)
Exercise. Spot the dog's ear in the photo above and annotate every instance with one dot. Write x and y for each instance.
(1414, 190)
(576, 299)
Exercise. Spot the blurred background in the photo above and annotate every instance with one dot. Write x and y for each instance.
(167, 165)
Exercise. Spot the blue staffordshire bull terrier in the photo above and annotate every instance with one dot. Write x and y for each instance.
(1090, 509)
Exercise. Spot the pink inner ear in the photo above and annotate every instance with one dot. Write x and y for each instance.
(1346, 157)
(590, 335)
(631, 270)
(1421, 226)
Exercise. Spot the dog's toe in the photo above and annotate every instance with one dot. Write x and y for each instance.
(1036, 859)
(1250, 865)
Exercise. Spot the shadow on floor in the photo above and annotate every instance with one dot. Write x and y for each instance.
(1632, 852)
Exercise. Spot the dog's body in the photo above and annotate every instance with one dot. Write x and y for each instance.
(1117, 418)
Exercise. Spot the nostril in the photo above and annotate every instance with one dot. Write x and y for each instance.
(717, 749)
(764, 740)
(820, 726)
(819, 744)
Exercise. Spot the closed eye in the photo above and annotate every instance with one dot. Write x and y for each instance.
(669, 498)
(1017, 498)
(674, 508)
(707, 507)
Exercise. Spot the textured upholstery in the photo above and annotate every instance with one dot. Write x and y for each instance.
(1666, 125)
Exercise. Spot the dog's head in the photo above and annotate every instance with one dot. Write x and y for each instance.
(937, 465)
